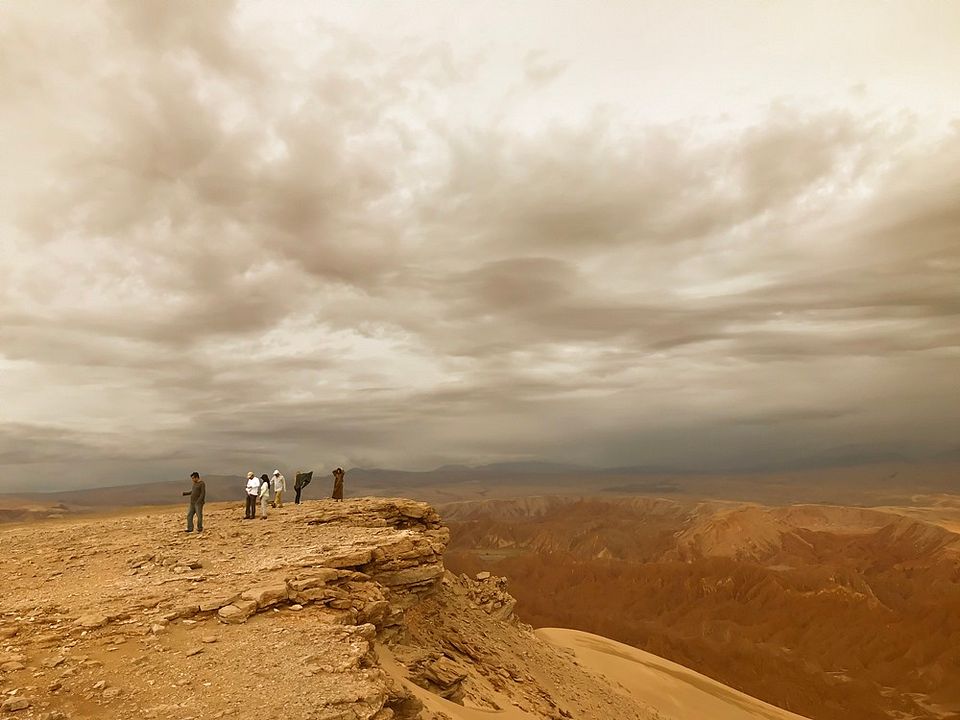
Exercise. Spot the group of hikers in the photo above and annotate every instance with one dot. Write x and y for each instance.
(257, 492)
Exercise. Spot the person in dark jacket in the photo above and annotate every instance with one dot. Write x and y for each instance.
(338, 484)
(198, 495)
(303, 479)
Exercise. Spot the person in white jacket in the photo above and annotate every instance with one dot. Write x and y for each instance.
(253, 489)
(263, 494)
(279, 487)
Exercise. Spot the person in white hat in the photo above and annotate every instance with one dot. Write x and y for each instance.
(253, 488)
(279, 487)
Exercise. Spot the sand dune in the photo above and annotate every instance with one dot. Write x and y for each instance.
(677, 692)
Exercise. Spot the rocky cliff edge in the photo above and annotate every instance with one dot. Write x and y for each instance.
(324, 611)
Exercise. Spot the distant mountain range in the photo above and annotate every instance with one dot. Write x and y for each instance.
(876, 483)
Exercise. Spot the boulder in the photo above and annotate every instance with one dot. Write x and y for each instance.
(375, 612)
(315, 579)
(238, 612)
(267, 595)
(92, 621)
(187, 610)
(15, 704)
(413, 509)
(439, 675)
(444, 672)
(216, 602)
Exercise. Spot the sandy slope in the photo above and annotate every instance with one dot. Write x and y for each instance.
(668, 690)
(676, 692)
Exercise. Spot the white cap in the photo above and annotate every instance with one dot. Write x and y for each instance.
(276, 472)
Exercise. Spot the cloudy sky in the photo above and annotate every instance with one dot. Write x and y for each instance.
(703, 235)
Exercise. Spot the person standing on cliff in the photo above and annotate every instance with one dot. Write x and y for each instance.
(253, 488)
(302, 480)
(263, 494)
(198, 496)
(279, 487)
(338, 484)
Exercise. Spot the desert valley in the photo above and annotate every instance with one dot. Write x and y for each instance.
(678, 607)
(832, 612)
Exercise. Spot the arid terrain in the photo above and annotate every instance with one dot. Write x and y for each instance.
(832, 612)
(878, 484)
(827, 610)
(324, 611)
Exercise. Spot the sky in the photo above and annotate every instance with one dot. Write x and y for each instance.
(697, 235)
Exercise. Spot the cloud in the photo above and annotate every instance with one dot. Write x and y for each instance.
(540, 69)
(224, 249)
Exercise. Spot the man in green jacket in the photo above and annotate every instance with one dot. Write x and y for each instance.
(198, 495)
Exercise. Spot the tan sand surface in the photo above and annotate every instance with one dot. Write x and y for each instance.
(677, 692)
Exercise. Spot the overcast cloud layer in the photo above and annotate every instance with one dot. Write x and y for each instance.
(406, 235)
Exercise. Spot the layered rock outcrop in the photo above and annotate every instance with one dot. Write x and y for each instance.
(326, 611)
(375, 558)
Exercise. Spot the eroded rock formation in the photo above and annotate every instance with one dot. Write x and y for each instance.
(326, 611)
